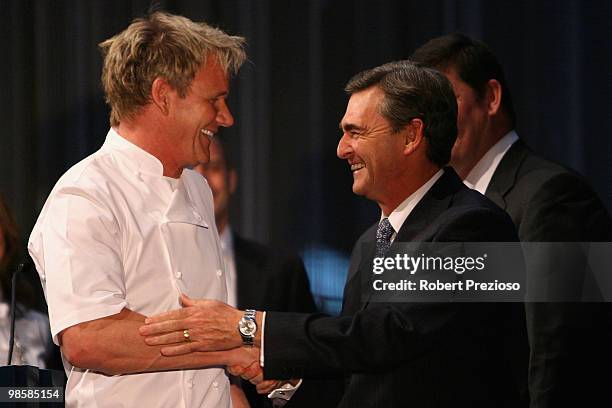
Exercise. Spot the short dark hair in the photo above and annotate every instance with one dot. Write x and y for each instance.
(412, 92)
(472, 60)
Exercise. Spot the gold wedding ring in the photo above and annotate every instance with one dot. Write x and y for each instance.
(186, 335)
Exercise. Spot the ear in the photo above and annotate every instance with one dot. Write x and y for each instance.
(233, 180)
(160, 90)
(413, 135)
(494, 95)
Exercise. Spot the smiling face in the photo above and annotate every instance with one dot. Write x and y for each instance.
(369, 145)
(197, 117)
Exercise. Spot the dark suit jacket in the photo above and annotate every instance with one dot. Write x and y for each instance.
(270, 280)
(570, 342)
(410, 354)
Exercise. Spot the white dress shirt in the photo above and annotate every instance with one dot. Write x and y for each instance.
(480, 176)
(227, 245)
(113, 234)
(401, 212)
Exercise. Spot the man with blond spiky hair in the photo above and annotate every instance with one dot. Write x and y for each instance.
(129, 228)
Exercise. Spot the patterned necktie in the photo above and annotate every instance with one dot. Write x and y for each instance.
(383, 237)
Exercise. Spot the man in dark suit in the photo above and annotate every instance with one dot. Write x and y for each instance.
(259, 277)
(397, 134)
(263, 277)
(569, 342)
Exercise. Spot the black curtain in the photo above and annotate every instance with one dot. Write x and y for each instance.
(288, 99)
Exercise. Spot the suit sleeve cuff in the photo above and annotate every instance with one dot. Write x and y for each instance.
(285, 392)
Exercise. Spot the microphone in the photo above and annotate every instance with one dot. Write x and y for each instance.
(13, 307)
(26, 375)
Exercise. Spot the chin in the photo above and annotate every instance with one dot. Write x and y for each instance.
(359, 190)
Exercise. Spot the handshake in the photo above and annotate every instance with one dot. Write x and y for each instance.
(205, 326)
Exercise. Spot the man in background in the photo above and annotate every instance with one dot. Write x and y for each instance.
(569, 342)
(259, 277)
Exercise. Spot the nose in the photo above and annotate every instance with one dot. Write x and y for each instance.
(224, 116)
(344, 149)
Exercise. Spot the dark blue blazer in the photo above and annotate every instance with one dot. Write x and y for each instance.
(412, 354)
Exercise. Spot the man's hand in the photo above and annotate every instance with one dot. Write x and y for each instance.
(243, 357)
(210, 324)
(254, 374)
(250, 372)
(245, 363)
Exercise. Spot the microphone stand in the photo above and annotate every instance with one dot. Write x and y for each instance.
(13, 307)
(27, 376)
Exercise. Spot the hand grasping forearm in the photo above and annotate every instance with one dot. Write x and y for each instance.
(210, 324)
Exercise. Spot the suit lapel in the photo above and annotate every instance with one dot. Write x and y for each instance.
(504, 177)
(435, 202)
(420, 226)
(363, 253)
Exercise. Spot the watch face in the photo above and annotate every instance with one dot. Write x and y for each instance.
(247, 327)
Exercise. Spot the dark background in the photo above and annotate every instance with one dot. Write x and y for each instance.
(288, 99)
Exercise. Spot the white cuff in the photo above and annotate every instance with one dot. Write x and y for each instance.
(285, 392)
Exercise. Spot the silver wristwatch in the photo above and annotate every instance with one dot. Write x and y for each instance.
(247, 327)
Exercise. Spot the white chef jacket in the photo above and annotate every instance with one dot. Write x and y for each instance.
(113, 234)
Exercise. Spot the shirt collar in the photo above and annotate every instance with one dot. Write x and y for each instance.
(137, 158)
(399, 215)
(480, 176)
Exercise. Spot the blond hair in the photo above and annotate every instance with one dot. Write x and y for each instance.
(161, 45)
